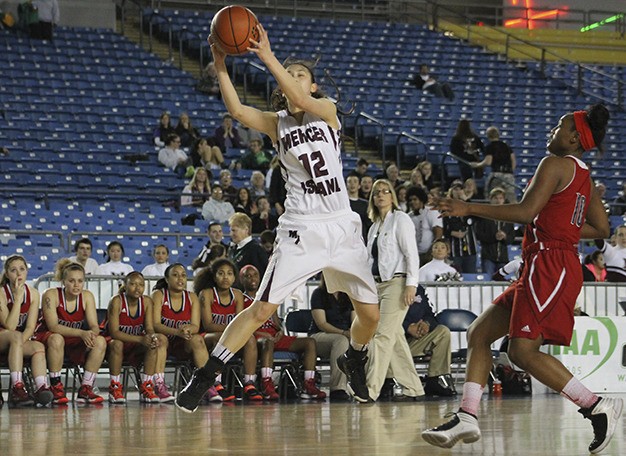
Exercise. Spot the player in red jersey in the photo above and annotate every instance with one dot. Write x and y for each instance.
(220, 304)
(272, 338)
(19, 307)
(129, 330)
(177, 316)
(559, 207)
(65, 310)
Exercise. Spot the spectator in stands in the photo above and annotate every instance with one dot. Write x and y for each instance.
(467, 145)
(271, 337)
(49, 17)
(129, 330)
(257, 184)
(256, 158)
(366, 187)
(360, 168)
(19, 310)
(601, 189)
(357, 204)
(4, 151)
(427, 337)
(263, 219)
(244, 203)
(226, 135)
(228, 189)
(208, 80)
(267, 240)
(247, 135)
(618, 206)
(177, 316)
(243, 249)
(205, 154)
(594, 262)
(216, 208)
(437, 267)
(462, 235)
(161, 257)
(174, 158)
(395, 266)
(428, 177)
(416, 179)
(470, 190)
(163, 130)
(65, 311)
(401, 194)
(277, 191)
(427, 221)
(197, 191)
(332, 317)
(216, 237)
(427, 82)
(83, 249)
(500, 157)
(114, 264)
(615, 255)
(220, 305)
(495, 237)
(392, 174)
(188, 134)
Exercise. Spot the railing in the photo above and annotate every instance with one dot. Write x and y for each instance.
(157, 14)
(48, 193)
(363, 115)
(58, 234)
(411, 138)
(246, 74)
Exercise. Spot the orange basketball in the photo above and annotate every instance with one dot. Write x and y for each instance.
(232, 27)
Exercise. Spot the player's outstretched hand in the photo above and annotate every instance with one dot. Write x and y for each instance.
(218, 53)
(449, 207)
(262, 47)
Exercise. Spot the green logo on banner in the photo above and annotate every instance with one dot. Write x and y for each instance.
(591, 344)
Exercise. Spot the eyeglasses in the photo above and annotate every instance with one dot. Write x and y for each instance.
(384, 192)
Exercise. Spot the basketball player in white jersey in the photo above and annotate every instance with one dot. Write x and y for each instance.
(317, 232)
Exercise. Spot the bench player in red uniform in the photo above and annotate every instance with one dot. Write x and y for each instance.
(66, 310)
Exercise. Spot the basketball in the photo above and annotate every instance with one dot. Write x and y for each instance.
(232, 27)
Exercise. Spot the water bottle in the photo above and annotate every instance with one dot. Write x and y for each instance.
(497, 387)
(397, 390)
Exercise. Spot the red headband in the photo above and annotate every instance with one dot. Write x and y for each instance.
(584, 132)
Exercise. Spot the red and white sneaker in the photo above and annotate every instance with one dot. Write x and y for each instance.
(164, 394)
(87, 396)
(58, 392)
(19, 397)
(311, 391)
(268, 390)
(226, 396)
(147, 394)
(116, 393)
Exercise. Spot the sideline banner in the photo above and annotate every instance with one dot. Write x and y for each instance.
(597, 354)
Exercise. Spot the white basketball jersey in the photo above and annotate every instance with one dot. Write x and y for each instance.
(310, 159)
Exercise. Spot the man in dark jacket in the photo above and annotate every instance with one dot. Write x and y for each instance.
(243, 249)
(427, 337)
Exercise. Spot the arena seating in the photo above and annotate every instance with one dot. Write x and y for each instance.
(75, 109)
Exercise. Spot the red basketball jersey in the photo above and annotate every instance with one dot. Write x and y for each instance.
(129, 324)
(223, 314)
(73, 319)
(563, 216)
(175, 318)
(268, 326)
(24, 306)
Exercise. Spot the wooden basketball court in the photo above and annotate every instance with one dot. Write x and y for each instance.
(538, 425)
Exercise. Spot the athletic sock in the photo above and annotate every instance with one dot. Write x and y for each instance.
(222, 353)
(89, 378)
(266, 372)
(472, 394)
(16, 377)
(579, 394)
